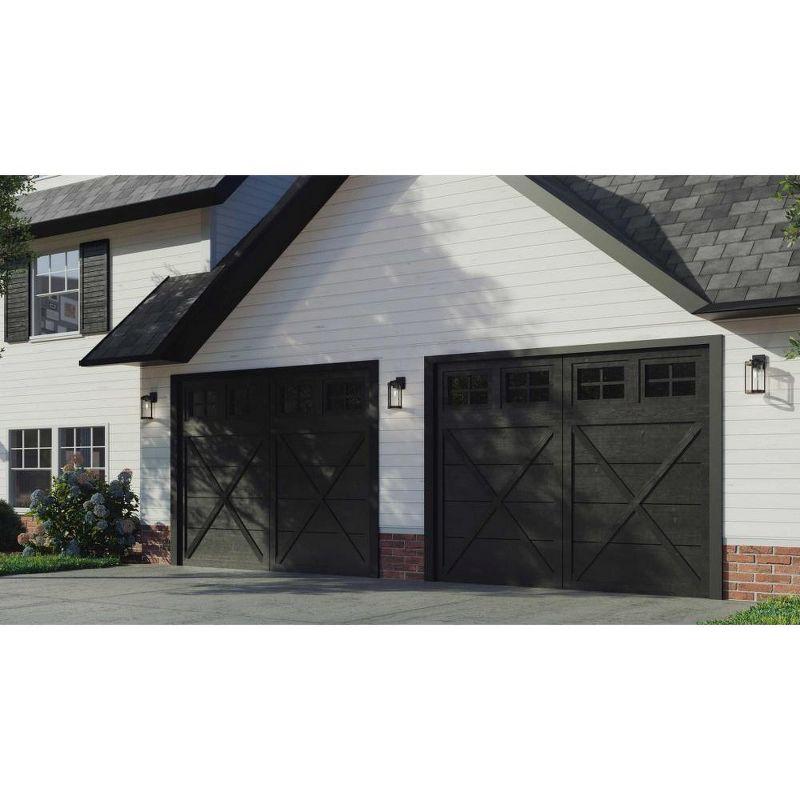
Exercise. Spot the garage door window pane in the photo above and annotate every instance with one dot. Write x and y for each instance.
(344, 396)
(601, 383)
(468, 390)
(669, 380)
(529, 386)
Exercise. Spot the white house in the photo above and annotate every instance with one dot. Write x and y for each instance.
(591, 390)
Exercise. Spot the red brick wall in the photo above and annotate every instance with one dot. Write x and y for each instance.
(757, 572)
(153, 546)
(402, 556)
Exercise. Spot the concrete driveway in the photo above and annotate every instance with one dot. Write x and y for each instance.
(150, 595)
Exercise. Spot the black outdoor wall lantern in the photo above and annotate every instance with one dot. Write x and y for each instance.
(148, 401)
(396, 392)
(755, 375)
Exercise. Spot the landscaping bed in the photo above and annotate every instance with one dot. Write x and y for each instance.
(783, 610)
(17, 564)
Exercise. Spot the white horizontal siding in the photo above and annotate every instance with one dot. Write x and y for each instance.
(41, 384)
(231, 220)
(397, 268)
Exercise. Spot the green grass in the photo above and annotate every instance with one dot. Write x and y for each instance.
(778, 611)
(17, 564)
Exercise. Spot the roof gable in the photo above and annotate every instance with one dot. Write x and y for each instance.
(173, 322)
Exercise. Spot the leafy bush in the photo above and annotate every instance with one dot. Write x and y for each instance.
(782, 610)
(10, 527)
(17, 564)
(84, 515)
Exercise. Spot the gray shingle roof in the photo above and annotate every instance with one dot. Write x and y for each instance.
(719, 235)
(131, 196)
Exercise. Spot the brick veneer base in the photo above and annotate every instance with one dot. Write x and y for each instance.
(402, 556)
(757, 572)
(153, 546)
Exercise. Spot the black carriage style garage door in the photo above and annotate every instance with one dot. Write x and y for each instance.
(580, 471)
(277, 469)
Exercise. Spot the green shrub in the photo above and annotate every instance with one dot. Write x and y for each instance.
(84, 515)
(17, 564)
(782, 610)
(10, 527)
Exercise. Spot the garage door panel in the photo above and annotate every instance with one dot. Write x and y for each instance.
(625, 505)
(503, 446)
(633, 443)
(510, 562)
(221, 451)
(321, 448)
(226, 548)
(636, 567)
(279, 469)
(321, 551)
(683, 483)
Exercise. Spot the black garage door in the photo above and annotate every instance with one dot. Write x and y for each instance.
(576, 471)
(277, 469)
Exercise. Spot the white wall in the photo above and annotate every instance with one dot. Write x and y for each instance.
(231, 220)
(400, 268)
(41, 384)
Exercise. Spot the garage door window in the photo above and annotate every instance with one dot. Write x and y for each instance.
(601, 383)
(669, 380)
(344, 396)
(529, 386)
(297, 398)
(468, 389)
(201, 403)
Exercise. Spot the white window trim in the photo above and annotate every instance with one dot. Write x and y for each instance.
(40, 337)
(54, 455)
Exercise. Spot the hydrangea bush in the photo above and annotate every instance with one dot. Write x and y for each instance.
(84, 515)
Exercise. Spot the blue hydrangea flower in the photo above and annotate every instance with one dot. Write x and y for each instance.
(101, 511)
(101, 525)
(37, 495)
(89, 518)
(97, 498)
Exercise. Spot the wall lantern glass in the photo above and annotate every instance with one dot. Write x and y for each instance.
(755, 375)
(148, 401)
(396, 392)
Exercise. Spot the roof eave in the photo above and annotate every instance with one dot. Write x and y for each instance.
(535, 190)
(186, 201)
(783, 306)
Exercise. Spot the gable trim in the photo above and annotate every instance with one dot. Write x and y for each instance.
(605, 241)
(227, 285)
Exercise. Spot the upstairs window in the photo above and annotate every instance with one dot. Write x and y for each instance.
(56, 294)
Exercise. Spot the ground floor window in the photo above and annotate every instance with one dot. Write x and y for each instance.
(88, 444)
(33, 464)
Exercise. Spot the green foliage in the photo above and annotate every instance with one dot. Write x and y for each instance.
(10, 527)
(789, 189)
(17, 564)
(783, 610)
(82, 514)
(15, 233)
(794, 347)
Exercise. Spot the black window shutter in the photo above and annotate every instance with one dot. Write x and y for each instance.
(95, 287)
(18, 306)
